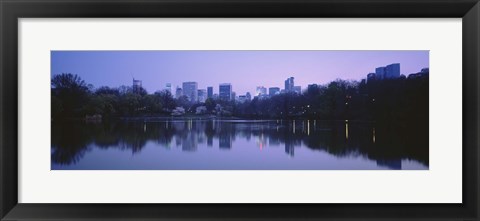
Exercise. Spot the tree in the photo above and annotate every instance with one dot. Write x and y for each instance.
(72, 93)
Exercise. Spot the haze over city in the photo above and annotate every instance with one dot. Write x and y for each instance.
(245, 70)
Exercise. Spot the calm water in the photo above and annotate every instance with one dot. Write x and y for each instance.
(237, 145)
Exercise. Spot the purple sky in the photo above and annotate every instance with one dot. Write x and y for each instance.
(244, 69)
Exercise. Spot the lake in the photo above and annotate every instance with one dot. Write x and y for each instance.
(238, 145)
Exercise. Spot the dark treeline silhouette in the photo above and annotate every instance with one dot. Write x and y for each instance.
(384, 143)
(400, 99)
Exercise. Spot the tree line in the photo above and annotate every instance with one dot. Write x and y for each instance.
(376, 100)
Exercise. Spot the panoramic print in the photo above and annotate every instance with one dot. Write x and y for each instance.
(240, 110)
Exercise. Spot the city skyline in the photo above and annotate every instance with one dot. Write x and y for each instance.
(154, 67)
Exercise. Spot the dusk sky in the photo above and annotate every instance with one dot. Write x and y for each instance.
(245, 70)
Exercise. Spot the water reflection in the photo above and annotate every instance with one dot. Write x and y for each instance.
(219, 144)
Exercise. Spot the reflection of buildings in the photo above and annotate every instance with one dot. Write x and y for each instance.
(224, 141)
(289, 148)
(273, 141)
(189, 143)
(210, 141)
(262, 141)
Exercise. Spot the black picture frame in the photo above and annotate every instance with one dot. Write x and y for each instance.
(12, 10)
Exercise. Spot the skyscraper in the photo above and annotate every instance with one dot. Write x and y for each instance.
(380, 73)
(289, 84)
(202, 95)
(178, 92)
(273, 91)
(261, 90)
(210, 92)
(297, 89)
(248, 96)
(371, 77)
(168, 87)
(225, 91)
(392, 71)
(190, 89)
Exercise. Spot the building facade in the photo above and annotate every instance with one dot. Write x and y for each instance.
(178, 92)
(190, 89)
(289, 84)
(202, 95)
(392, 71)
(273, 91)
(261, 90)
(225, 91)
(297, 89)
(209, 92)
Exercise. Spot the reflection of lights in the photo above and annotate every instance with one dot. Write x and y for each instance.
(293, 126)
(374, 135)
(308, 127)
(346, 131)
(144, 127)
(261, 141)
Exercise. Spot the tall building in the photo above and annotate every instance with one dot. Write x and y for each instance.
(136, 86)
(297, 89)
(242, 98)
(392, 71)
(388, 72)
(190, 89)
(202, 95)
(210, 92)
(225, 91)
(273, 91)
(248, 96)
(168, 87)
(178, 92)
(234, 95)
(380, 73)
(289, 84)
(261, 90)
(371, 77)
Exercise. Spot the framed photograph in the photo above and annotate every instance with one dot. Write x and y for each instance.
(239, 110)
